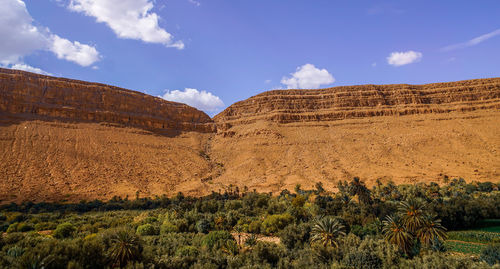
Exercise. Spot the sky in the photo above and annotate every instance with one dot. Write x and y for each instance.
(212, 53)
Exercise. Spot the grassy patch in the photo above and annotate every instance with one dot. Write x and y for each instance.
(474, 236)
(464, 247)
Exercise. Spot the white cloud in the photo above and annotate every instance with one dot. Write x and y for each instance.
(473, 41)
(374, 64)
(194, 2)
(202, 100)
(77, 52)
(403, 58)
(129, 19)
(308, 77)
(20, 37)
(28, 68)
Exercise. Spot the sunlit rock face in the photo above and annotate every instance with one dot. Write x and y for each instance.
(39, 95)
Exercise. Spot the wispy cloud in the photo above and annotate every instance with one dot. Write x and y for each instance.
(473, 41)
(194, 2)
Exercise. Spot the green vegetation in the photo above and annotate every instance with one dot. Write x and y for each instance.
(388, 226)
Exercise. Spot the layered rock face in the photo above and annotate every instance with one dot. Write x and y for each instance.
(287, 106)
(24, 93)
(400, 133)
(63, 139)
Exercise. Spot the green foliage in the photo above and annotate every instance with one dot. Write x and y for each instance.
(182, 221)
(147, 229)
(327, 231)
(215, 239)
(475, 236)
(203, 226)
(463, 247)
(15, 251)
(363, 260)
(295, 235)
(168, 227)
(251, 240)
(274, 223)
(13, 227)
(267, 253)
(491, 254)
(23, 227)
(187, 251)
(43, 226)
(255, 226)
(64, 230)
(125, 247)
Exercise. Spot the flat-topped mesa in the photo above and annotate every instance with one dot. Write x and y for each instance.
(29, 94)
(287, 106)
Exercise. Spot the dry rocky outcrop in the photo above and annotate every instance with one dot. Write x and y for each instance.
(39, 95)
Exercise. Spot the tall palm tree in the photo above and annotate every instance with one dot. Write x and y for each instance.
(396, 233)
(125, 247)
(431, 230)
(412, 214)
(327, 231)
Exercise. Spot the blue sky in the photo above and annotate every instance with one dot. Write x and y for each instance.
(212, 53)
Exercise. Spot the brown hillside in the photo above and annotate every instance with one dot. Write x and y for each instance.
(404, 133)
(64, 139)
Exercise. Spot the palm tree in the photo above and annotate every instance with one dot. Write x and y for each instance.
(395, 233)
(126, 247)
(326, 231)
(431, 230)
(412, 214)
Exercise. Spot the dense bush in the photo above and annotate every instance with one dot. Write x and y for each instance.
(147, 229)
(274, 223)
(216, 239)
(64, 230)
(363, 260)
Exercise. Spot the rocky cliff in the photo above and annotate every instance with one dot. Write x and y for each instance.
(63, 139)
(28, 94)
(287, 106)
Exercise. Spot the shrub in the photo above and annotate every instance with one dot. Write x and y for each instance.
(15, 251)
(147, 229)
(64, 230)
(23, 227)
(255, 226)
(43, 226)
(491, 254)
(203, 226)
(363, 260)
(150, 220)
(274, 223)
(187, 251)
(216, 239)
(295, 235)
(13, 227)
(168, 227)
(267, 253)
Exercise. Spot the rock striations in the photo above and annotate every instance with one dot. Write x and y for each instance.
(287, 106)
(38, 95)
(63, 139)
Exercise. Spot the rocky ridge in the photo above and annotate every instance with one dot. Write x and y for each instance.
(338, 103)
(33, 95)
